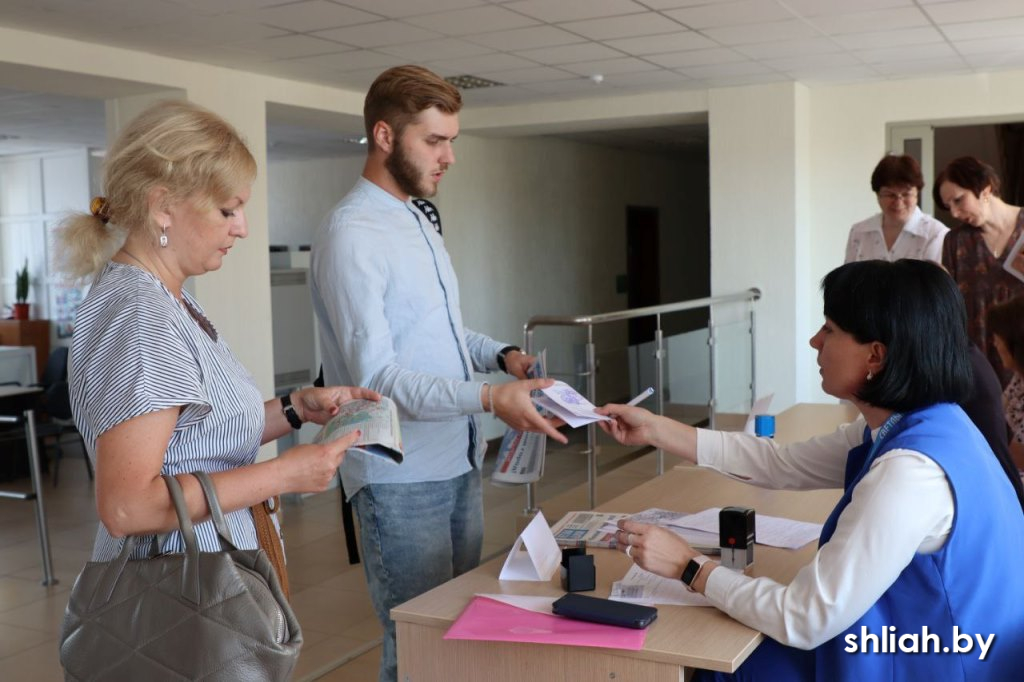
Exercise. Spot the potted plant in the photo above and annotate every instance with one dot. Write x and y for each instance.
(21, 293)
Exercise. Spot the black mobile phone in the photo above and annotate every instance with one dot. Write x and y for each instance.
(596, 610)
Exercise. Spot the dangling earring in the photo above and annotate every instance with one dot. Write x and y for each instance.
(870, 375)
(163, 237)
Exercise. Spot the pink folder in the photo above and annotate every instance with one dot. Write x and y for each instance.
(489, 620)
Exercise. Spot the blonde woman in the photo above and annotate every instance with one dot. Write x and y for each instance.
(154, 387)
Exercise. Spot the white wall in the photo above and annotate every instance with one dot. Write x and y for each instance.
(536, 226)
(300, 192)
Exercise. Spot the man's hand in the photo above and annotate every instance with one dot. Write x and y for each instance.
(511, 404)
(518, 363)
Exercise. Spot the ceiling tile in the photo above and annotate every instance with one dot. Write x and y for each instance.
(721, 70)
(397, 9)
(761, 33)
(938, 67)
(294, 45)
(377, 34)
(311, 15)
(215, 30)
(352, 61)
(879, 39)
(536, 74)
(790, 48)
(674, 4)
(577, 86)
(224, 6)
(714, 55)
(472, 20)
(525, 38)
(745, 79)
(645, 24)
(479, 65)
(431, 50)
(984, 29)
(1005, 45)
(975, 10)
(666, 42)
(811, 74)
(904, 53)
(495, 96)
(817, 8)
(730, 14)
(569, 54)
(821, 61)
(607, 67)
(554, 11)
(1000, 60)
(647, 79)
(865, 22)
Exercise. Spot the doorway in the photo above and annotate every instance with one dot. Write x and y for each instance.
(643, 271)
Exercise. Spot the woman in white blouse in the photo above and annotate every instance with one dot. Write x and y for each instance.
(901, 230)
(911, 545)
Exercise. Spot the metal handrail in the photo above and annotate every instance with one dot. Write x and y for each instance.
(751, 294)
(589, 321)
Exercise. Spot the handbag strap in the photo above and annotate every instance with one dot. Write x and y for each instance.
(190, 568)
(215, 511)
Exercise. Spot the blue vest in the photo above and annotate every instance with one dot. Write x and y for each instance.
(974, 582)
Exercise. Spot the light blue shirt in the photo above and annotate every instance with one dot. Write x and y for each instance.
(387, 300)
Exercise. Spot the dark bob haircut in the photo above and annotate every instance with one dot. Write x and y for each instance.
(896, 171)
(969, 173)
(915, 310)
(1007, 320)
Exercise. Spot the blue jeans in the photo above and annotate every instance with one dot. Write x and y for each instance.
(770, 662)
(414, 537)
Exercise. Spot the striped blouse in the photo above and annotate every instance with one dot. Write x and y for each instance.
(136, 350)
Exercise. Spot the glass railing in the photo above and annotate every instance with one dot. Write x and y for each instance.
(697, 355)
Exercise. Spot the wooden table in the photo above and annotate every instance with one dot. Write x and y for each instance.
(681, 638)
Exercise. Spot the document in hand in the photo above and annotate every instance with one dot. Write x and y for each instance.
(521, 454)
(566, 403)
(378, 421)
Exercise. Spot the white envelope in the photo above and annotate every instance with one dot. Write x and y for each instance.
(535, 555)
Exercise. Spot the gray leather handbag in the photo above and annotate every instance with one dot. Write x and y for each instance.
(192, 616)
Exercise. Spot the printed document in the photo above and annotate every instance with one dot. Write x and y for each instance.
(378, 422)
(521, 454)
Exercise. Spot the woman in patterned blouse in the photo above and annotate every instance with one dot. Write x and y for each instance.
(1006, 322)
(975, 250)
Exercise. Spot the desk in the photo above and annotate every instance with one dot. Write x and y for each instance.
(681, 638)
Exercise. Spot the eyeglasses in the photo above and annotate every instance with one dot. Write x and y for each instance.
(909, 195)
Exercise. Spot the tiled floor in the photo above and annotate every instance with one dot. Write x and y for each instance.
(329, 596)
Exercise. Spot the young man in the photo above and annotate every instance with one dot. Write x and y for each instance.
(388, 304)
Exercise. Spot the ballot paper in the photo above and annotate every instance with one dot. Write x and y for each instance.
(771, 530)
(535, 554)
(643, 587)
(566, 403)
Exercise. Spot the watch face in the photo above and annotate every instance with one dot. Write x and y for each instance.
(690, 572)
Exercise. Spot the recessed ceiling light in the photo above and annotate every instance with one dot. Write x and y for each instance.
(467, 82)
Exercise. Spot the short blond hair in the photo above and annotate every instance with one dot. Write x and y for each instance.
(177, 145)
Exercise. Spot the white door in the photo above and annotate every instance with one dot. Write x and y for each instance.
(917, 141)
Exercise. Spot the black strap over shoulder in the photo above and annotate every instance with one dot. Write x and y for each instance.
(430, 211)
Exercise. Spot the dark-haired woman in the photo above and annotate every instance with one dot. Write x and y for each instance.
(928, 533)
(974, 251)
(902, 229)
